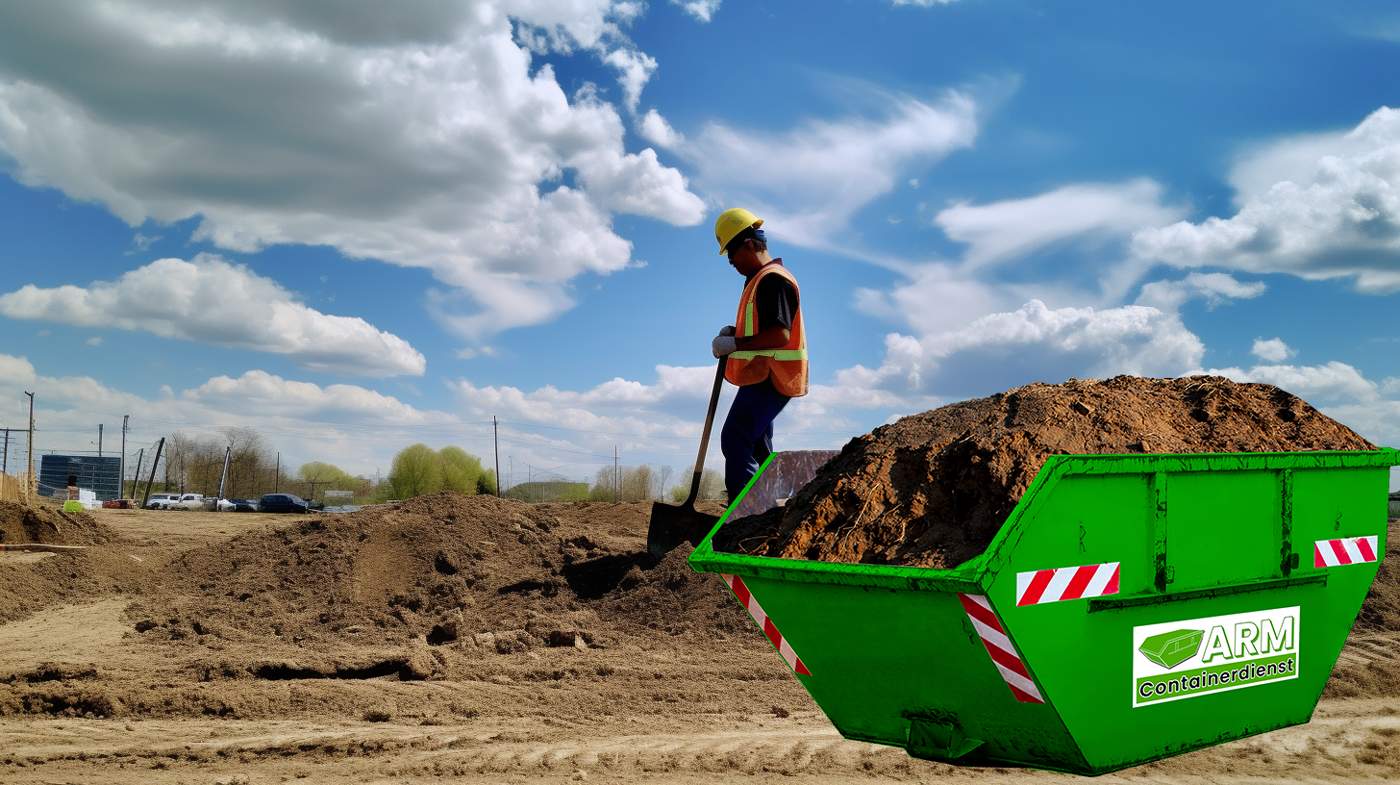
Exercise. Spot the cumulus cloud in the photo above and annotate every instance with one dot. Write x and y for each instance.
(808, 182)
(278, 397)
(634, 69)
(1012, 228)
(1214, 288)
(702, 10)
(384, 134)
(354, 427)
(1318, 206)
(960, 299)
(654, 128)
(215, 302)
(1034, 343)
(1272, 350)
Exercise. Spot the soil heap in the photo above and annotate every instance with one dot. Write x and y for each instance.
(21, 523)
(932, 489)
(496, 574)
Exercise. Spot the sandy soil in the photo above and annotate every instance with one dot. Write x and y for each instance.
(696, 703)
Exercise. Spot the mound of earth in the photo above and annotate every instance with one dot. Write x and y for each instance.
(479, 571)
(30, 587)
(931, 490)
(21, 523)
(1381, 611)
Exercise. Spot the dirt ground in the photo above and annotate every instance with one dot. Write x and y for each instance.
(142, 674)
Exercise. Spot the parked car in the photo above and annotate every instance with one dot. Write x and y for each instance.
(223, 505)
(283, 502)
(244, 505)
(187, 501)
(161, 501)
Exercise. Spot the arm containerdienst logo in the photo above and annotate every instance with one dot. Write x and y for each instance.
(1194, 657)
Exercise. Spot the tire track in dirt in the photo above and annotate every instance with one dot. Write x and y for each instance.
(1350, 741)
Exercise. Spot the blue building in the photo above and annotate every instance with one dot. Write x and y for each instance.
(102, 475)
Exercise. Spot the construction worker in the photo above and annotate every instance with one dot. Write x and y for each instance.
(766, 347)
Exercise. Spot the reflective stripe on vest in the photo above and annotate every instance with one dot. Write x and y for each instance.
(785, 367)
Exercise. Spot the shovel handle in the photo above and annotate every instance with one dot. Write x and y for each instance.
(705, 435)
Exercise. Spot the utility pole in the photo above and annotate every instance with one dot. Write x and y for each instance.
(5, 464)
(29, 481)
(135, 478)
(495, 442)
(617, 478)
(121, 472)
(159, 446)
(277, 473)
(529, 477)
(223, 475)
(99, 440)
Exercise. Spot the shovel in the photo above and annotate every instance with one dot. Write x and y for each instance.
(672, 525)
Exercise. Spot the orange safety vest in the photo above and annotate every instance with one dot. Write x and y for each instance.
(787, 365)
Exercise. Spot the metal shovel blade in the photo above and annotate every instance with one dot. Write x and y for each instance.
(673, 524)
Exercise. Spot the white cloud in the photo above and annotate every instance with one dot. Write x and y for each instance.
(654, 128)
(1332, 382)
(212, 301)
(634, 71)
(1034, 343)
(95, 340)
(1215, 288)
(960, 299)
(1272, 350)
(354, 427)
(703, 10)
(422, 135)
(999, 231)
(923, 3)
(274, 396)
(1317, 206)
(809, 182)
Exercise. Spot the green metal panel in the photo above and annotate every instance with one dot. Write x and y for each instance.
(1214, 550)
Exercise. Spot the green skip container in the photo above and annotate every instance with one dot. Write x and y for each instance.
(1130, 608)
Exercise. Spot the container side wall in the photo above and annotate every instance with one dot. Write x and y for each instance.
(879, 657)
(1223, 531)
(1225, 535)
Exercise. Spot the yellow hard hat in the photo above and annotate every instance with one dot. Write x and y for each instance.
(731, 222)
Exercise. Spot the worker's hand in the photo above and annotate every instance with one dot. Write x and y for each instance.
(723, 345)
(728, 329)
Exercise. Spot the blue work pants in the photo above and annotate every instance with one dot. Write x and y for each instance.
(747, 437)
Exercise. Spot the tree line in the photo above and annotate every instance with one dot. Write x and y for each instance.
(193, 463)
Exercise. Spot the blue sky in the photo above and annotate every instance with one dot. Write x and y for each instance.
(360, 228)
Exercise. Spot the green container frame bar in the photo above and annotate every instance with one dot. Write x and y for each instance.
(948, 663)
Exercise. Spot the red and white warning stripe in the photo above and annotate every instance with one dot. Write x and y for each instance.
(1003, 653)
(741, 591)
(1066, 583)
(1347, 550)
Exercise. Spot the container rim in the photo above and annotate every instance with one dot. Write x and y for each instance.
(968, 576)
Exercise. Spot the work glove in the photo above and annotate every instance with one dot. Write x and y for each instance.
(724, 343)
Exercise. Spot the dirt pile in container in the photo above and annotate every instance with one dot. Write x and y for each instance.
(932, 489)
(39, 523)
(498, 575)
